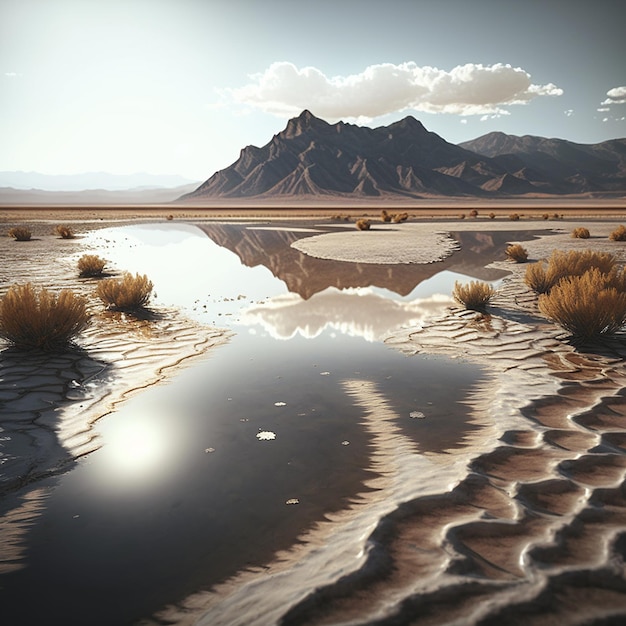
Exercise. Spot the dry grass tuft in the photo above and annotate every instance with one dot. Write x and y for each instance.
(41, 320)
(384, 216)
(542, 276)
(20, 233)
(492, 216)
(581, 233)
(474, 213)
(546, 216)
(588, 305)
(65, 232)
(363, 224)
(129, 293)
(90, 265)
(474, 295)
(396, 218)
(514, 217)
(516, 252)
(619, 234)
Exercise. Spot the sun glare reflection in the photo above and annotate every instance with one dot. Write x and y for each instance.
(135, 451)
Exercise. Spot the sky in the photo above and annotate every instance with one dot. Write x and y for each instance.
(181, 86)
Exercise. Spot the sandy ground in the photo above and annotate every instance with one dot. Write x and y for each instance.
(533, 533)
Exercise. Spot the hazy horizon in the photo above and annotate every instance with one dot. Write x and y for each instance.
(180, 88)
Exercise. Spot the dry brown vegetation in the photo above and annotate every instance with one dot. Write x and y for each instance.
(581, 233)
(384, 216)
(363, 224)
(619, 234)
(41, 320)
(20, 233)
(90, 265)
(542, 276)
(516, 252)
(396, 218)
(514, 217)
(588, 305)
(129, 293)
(474, 295)
(65, 232)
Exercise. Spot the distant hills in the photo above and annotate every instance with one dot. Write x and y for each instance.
(91, 188)
(312, 158)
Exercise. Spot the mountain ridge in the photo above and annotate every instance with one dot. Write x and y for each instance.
(313, 158)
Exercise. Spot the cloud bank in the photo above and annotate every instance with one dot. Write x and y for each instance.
(617, 95)
(472, 89)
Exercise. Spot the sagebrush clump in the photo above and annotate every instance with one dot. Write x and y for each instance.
(129, 293)
(588, 305)
(20, 233)
(544, 275)
(516, 252)
(619, 234)
(34, 319)
(474, 295)
(90, 265)
(581, 233)
(363, 224)
(65, 232)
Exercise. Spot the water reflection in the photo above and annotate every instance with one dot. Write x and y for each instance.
(354, 312)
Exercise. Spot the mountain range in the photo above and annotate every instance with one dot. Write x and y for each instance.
(312, 158)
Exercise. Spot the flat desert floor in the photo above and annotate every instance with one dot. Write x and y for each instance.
(521, 522)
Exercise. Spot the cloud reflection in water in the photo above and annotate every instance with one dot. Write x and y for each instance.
(354, 312)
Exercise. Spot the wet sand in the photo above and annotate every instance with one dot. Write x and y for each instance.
(524, 524)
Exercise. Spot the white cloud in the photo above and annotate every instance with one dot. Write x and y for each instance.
(472, 89)
(569, 112)
(617, 95)
(603, 109)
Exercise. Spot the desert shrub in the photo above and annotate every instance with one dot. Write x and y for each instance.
(384, 216)
(474, 295)
(363, 224)
(514, 217)
(399, 217)
(65, 232)
(90, 265)
(169, 217)
(492, 216)
(619, 234)
(542, 276)
(546, 216)
(41, 320)
(473, 213)
(516, 252)
(587, 305)
(462, 216)
(580, 233)
(129, 293)
(20, 233)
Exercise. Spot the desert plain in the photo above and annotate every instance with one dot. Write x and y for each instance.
(507, 507)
